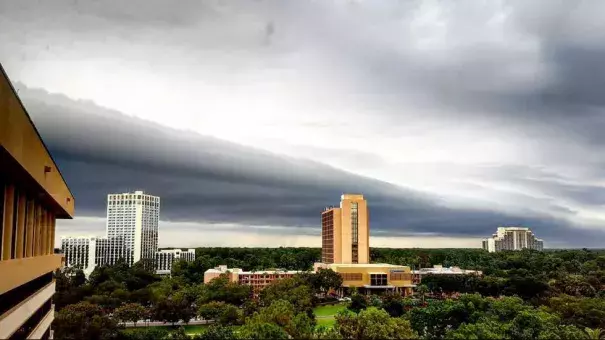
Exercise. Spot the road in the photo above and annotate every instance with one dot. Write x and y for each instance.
(143, 323)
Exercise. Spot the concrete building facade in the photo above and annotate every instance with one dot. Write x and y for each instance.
(512, 238)
(79, 252)
(345, 233)
(135, 217)
(164, 259)
(87, 252)
(33, 194)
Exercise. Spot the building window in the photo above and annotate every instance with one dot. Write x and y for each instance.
(354, 232)
(378, 279)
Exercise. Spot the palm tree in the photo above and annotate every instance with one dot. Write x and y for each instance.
(594, 334)
(422, 290)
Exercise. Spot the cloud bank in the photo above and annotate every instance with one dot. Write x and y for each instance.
(452, 117)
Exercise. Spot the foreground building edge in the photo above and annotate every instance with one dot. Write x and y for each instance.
(33, 194)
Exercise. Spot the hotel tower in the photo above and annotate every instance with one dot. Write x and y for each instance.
(345, 231)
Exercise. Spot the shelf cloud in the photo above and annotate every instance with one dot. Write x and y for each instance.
(451, 117)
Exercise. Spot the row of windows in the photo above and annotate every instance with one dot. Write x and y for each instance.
(134, 196)
(351, 276)
(401, 276)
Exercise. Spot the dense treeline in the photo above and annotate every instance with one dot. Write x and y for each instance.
(522, 295)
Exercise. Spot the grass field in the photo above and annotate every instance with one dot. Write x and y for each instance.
(325, 314)
(329, 310)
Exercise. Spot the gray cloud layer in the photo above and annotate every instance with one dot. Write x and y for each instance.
(527, 74)
(202, 178)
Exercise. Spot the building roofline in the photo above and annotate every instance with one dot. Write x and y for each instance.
(10, 84)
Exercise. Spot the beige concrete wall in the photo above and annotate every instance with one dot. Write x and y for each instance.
(337, 236)
(26, 269)
(363, 232)
(15, 317)
(346, 232)
(44, 324)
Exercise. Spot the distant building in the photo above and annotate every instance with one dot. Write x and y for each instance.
(78, 252)
(33, 195)
(440, 270)
(164, 259)
(87, 252)
(257, 279)
(135, 217)
(345, 231)
(512, 238)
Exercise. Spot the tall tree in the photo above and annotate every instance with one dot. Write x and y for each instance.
(130, 312)
(373, 323)
(84, 321)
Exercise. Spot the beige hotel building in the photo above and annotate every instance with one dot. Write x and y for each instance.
(33, 194)
(345, 248)
(345, 236)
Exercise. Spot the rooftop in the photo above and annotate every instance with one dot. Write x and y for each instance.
(351, 197)
(438, 269)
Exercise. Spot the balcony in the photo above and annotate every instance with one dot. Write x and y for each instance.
(26, 269)
(13, 320)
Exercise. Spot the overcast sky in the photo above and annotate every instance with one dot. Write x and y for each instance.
(247, 117)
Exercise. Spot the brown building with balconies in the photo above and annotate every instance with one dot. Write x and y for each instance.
(33, 194)
(256, 279)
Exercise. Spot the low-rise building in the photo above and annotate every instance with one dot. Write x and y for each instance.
(372, 277)
(440, 270)
(164, 259)
(257, 279)
(261, 279)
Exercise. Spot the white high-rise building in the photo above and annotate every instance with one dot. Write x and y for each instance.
(135, 217)
(164, 259)
(512, 238)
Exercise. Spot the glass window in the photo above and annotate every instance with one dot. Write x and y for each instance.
(378, 279)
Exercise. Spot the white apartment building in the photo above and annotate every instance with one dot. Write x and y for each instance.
(79, 251)
(512, 238)
(87, 252)
(134, 216)
(164, 259)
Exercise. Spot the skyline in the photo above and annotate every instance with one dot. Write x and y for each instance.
(248, 117)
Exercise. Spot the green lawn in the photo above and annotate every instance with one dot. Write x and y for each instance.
(195, 329)
(327, 321)
(328, 310)
(325, 314)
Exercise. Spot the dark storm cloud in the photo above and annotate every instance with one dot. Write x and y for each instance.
(544, 82)
(203, 178)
